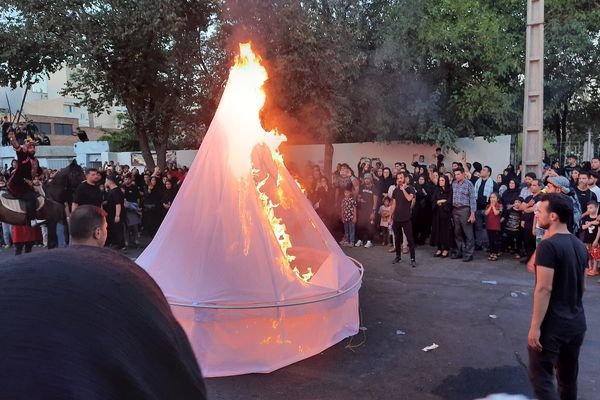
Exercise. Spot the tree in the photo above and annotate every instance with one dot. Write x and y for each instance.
(572, 68)
(155, 57)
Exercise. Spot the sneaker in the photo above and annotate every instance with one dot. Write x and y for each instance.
(343, 243)
(391, 250)
(369, 244)
(413, 263)
(397, 260)
(358, 244)
(36, 222)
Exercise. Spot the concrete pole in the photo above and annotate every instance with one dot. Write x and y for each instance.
(533, 111)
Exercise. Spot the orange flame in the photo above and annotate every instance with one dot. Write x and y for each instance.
(246, 81)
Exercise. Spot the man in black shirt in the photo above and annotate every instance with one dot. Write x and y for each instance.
(558, 321)
(5, 126)
(115, 211)
(402, 199)
(367, 209)
(88, 192)
(81, 134)
(582, 191)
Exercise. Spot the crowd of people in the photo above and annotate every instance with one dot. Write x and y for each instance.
(458, 209)
(135, 203)
(23, 131)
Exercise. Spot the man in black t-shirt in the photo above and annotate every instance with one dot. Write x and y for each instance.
(558, 320)
(367, 209)
(81, 134)
(402, 199)
(115, 211)
(88, 192)
(582, 191)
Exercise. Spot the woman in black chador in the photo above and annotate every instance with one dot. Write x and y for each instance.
(441, 234)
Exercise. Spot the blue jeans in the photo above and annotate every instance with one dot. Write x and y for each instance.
(7, 233)
(481, 238)
(60, 234)
(349, 230)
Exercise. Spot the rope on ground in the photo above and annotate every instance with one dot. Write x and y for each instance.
(362, 329)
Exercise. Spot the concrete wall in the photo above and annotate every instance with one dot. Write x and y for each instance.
(496, 154)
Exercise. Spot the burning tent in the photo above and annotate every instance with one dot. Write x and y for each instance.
(251, 272)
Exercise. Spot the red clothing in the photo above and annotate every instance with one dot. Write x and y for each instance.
(24, 234)
(493, 220)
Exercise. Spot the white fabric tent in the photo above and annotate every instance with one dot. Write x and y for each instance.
(222, 266)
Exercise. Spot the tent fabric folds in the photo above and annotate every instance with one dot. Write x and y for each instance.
(222, 264)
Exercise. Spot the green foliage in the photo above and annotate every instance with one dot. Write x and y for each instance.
(123, 139)
(155, 57)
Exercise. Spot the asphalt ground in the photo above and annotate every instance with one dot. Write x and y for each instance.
(442, 301)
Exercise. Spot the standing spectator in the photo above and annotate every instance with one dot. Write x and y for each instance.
(323, 202)
(593, 184)
(349, 216)
(571, 165)
(512, 228)
(464, 204)
(385, 220)
(115, 210)
(439, 158)
(595, 164)
(402, 199)
(168, 197)
(81, 134)
(367, 208)
(152, 206)
(501, 185)
(493, 226)
(441, 234)
(525, 192)
(574, 178)
(589, 227)
(133, 209)
(529, 225)
(5, 127)
(484, 187)
(583, 192)
(421, 215)
(558, 320)
(88, 192)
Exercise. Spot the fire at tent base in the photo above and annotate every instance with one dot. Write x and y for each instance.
(260, 340)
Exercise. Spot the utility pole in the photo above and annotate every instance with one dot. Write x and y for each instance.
(533, 110)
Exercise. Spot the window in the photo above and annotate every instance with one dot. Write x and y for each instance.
(44, 128)
(63, 129)
(68, 109)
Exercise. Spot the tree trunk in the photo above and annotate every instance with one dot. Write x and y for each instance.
(563, 121)
(328, 159)
(145, 148)
(161, 155)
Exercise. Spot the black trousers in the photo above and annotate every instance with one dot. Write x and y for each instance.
(30, 199)
(365, 230)
(560, 352)
(405, 226)
(116, 233)
(19, 247)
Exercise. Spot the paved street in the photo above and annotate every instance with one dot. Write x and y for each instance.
(442, 302)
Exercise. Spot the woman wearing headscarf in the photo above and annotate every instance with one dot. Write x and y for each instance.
(441, 231)
(88, 323)
(421, 211)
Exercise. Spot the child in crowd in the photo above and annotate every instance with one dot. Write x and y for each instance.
(385, 211)
(512, 228)
(589, 227)
(349, 216)
(493, 212)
